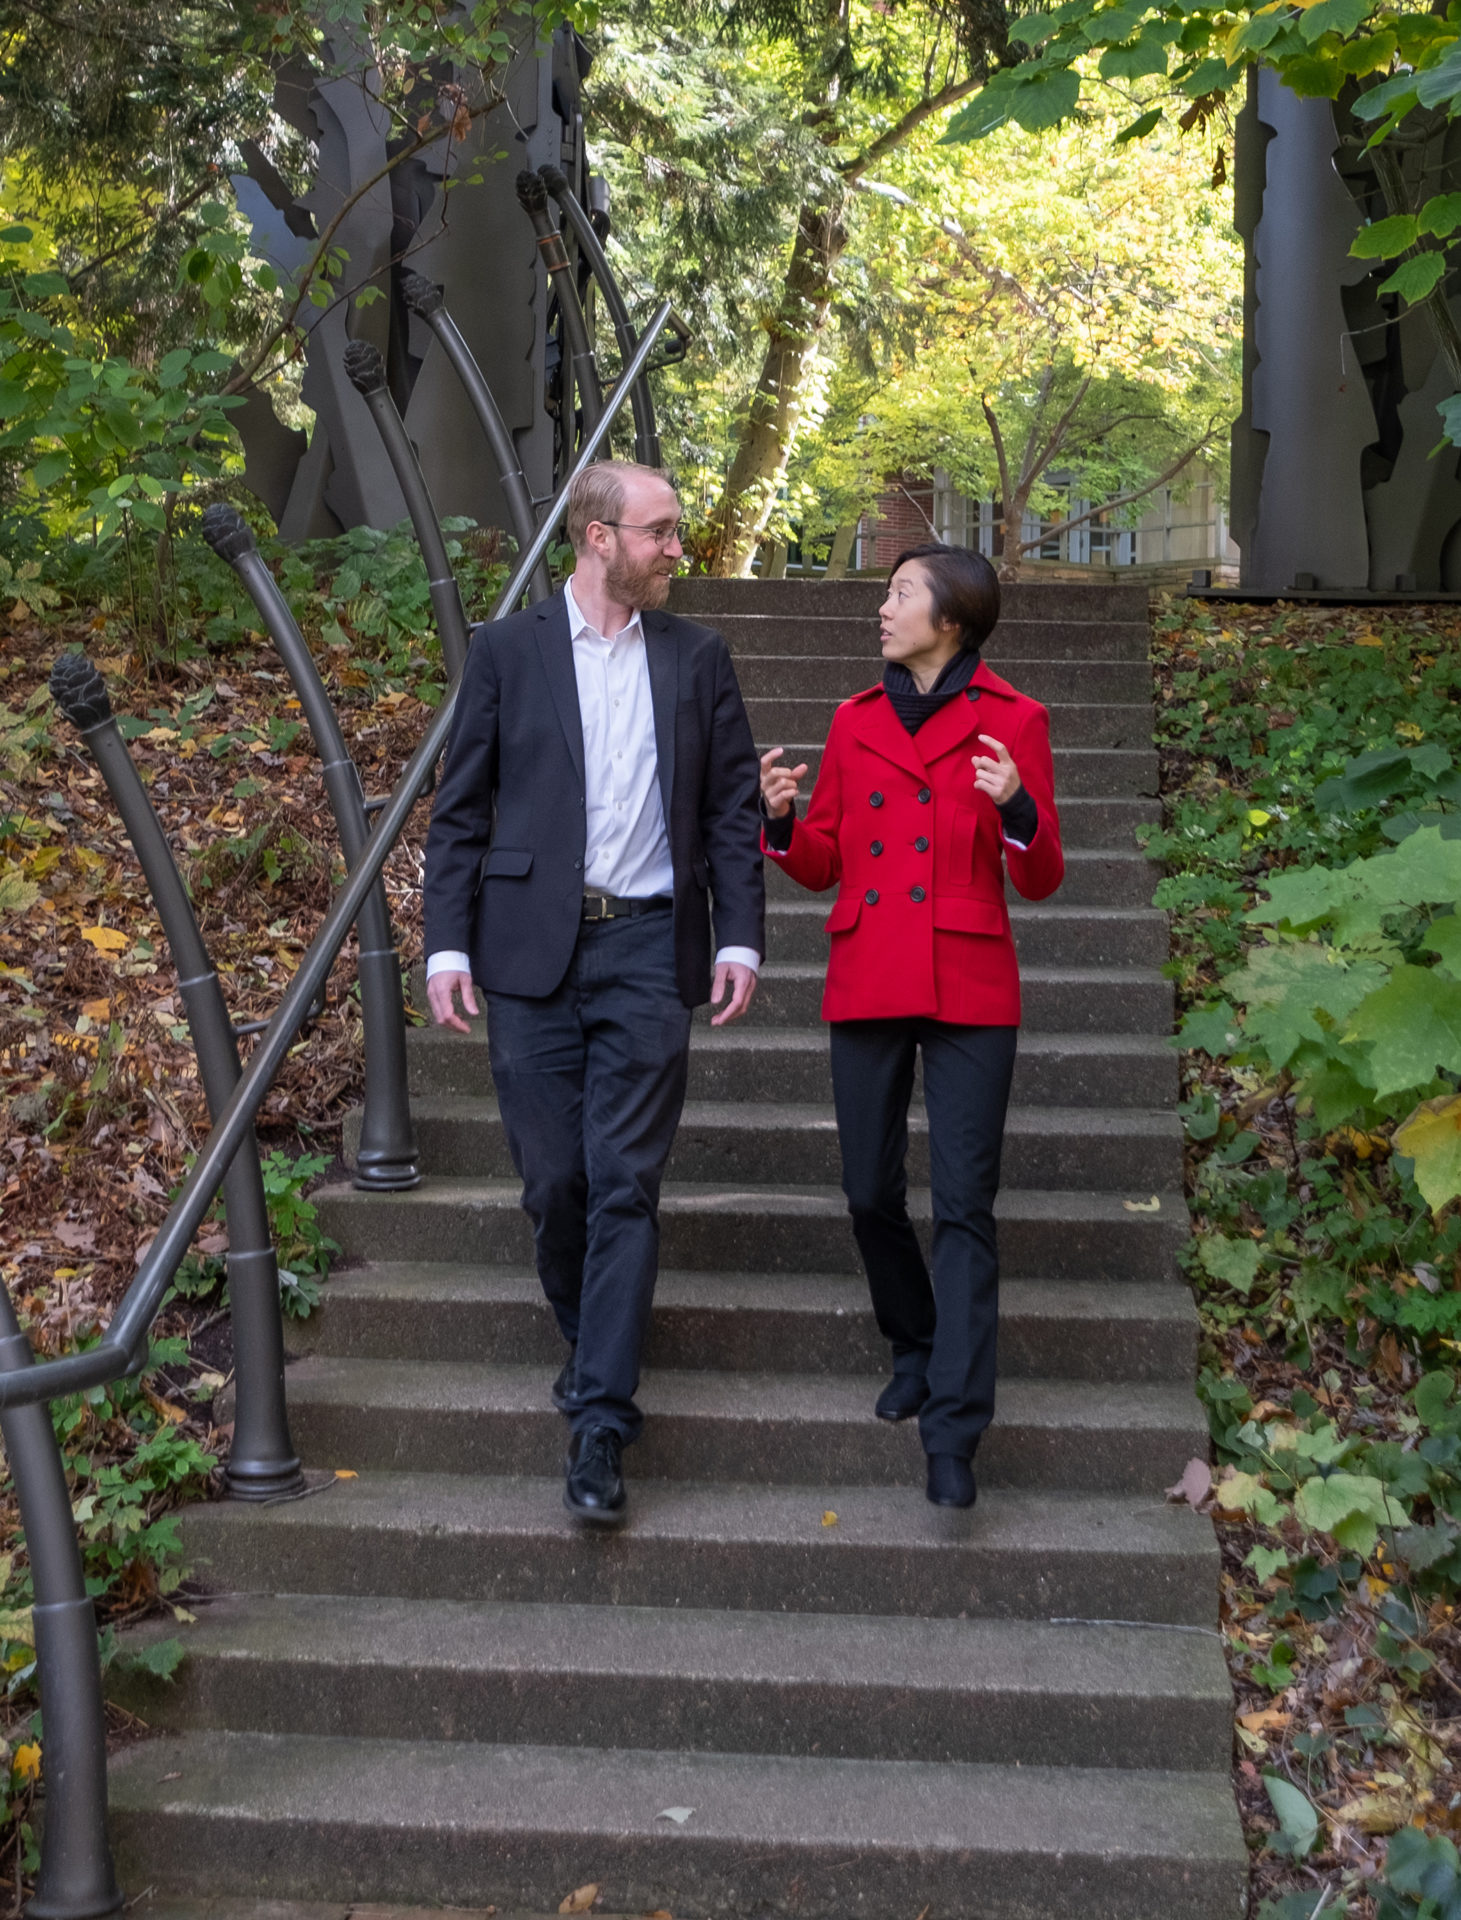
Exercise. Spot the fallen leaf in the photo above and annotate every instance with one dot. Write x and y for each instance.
(347, 1473)
(1266, 1720)
(663, 1913)
(105, 939)
(97, 1009)
(27, 1761)
(72, 1234)
(1195, 1484)
(678, 1814)
(1153, 1205)
(829, 1519)
(164, 1409)
(581, 1899)
(1375, 1812)
(213, 1243)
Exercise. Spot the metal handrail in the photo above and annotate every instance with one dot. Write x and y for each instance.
(109, 1359)
(583, 371)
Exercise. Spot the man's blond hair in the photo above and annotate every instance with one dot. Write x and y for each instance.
(598, 494)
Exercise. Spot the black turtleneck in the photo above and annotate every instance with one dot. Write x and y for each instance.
(1019, 815)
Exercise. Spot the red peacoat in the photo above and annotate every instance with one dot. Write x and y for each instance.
(920, 925)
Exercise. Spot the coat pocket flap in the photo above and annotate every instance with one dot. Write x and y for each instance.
(844, 913)
(969, 916)
(513, 862)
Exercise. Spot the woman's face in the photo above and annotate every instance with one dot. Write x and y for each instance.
(911, 630)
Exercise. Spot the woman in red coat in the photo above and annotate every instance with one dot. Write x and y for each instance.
(930, 785)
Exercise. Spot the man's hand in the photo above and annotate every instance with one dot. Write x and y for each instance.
(737, 979)
(441, 991)
(998, 777)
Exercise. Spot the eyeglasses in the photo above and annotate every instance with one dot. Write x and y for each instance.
(662, 534)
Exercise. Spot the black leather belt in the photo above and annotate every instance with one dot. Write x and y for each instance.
(605, 906)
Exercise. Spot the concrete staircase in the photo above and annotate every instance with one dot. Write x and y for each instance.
(424, 1683)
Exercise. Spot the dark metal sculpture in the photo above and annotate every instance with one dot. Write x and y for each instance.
(646, 433)
(533, 196)
(1334, 485)
(76, 1879)
(423, 296)
(386, 1161)
(366, 371)
(262, 1463)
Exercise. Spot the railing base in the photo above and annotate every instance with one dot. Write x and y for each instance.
(264, 1481)
(387, 1176)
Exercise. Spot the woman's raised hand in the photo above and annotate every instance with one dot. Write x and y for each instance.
(779, 784)
(999, 777)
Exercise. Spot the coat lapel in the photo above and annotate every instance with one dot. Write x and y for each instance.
(961, 722)
(664, 691)
(877, 726)
(555, 645)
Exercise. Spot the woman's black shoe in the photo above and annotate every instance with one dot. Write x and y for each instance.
(951, 1481)
(566, 1385)
(594, 1487)
(904, 1394)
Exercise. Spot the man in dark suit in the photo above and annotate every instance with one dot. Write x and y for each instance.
(597, 810)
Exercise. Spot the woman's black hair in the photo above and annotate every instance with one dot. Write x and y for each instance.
(964, 587)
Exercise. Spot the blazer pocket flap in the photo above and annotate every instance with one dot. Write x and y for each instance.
(969, 916)
(508, 862)
(844, 914)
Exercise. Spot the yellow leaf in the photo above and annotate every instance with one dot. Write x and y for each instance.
(1375, 1812)
(1153, 1205)
(581, 1899)
(159, 736)
(105, 939)
(1368, 640)
(1267, 1720)
(829, 1519)
(1431, 1137)
(346, 1473)
(1408, 730)
(164, 1409)
(97, 1009)
(27, 1761)
(18, 1626)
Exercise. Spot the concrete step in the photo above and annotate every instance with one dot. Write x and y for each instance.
(815, 1838)
(791, 1063)
(1047, 932)
(982, 1692)
(816, 1322)
(700, 598)
(1102, 1148)
(1052, 999)
(838, 675)
(1088, 824)
(1020, 1554)
(1080, 772)
(1011, 642)
(778, 719)
(790, 1229)
(1098, 877)
(773, 1429)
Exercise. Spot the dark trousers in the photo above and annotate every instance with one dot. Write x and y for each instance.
(945, 1327)
(590, 1082)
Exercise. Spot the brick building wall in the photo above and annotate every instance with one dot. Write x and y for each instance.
(902, 517)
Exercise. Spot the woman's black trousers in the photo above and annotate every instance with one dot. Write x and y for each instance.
(945, 1325)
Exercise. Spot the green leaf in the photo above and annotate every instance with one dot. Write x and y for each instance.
(1266, 1562)
(1412, 1027)
(162, 1658)
(1333, 16)
(1043, 100)
(15, 236)
(1391, 96)
(1350, 1506)
(1140, 127)
(173, 366)
(1297, 1817)
(1235, 1262)
(1450, 412)
(1413, 279)
(1425, 1865)
(1431, 1140)
(49, 468)
(1212, 1030)
(1441, 215)
(1438, 86)
(1367, 780)
(1385, 239)
(1432, 1397)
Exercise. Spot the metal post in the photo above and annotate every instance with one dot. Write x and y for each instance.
(386, 1162)
(423, 296)
(646, 433)
(366, 371)
(262, 1462)
(534, 197)
(77, 1880)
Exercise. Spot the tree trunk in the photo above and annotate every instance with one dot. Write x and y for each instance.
(843, 542)
(768, 431)
(1010, 555)
(773, 559)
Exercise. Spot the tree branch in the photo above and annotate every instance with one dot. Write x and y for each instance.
(1121, 499)
(999, 450)
(901, 130)
(994, 277)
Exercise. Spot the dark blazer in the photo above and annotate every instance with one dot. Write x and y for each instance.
(505, 854)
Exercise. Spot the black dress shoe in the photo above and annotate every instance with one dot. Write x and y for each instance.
(594, 1487)
(904, 1394)
(566, 1385)
(951, 1481)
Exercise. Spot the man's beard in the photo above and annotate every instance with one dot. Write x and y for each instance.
(643, 586)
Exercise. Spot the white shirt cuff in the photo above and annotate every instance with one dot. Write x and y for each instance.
(739, 956)
(448, 963)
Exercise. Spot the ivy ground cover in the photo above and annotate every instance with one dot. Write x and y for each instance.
(1311, 838)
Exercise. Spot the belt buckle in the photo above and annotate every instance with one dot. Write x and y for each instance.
(600, 908)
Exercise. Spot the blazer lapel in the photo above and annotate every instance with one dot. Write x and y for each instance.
(877, 726)
(664, 691)
(555, 645)
(963, 719)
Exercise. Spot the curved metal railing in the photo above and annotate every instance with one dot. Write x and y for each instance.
(76, 1880)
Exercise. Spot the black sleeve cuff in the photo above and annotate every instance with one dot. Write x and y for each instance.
(778, 832)
(1020, 817)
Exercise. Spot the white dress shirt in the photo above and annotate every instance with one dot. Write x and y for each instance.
(627, 850)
